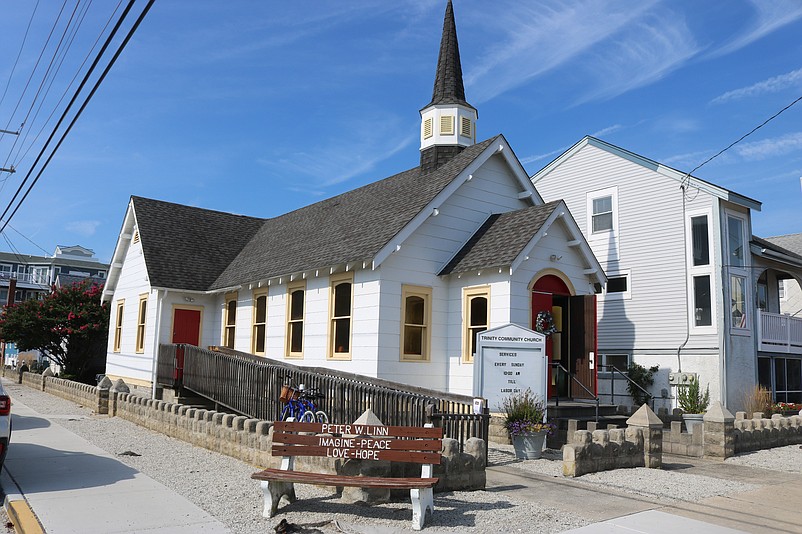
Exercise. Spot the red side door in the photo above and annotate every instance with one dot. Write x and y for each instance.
(186, 329)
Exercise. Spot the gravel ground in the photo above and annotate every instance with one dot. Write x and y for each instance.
(226, 491)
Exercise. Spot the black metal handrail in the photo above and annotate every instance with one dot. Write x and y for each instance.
(251, 385)
(559, 367)
(616, 370)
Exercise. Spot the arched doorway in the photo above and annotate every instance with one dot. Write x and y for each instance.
(573, 345)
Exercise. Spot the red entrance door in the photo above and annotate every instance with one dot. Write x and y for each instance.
(186, 329)
(574, 343)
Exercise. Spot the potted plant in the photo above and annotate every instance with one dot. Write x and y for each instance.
(693, 403)
(525, 420)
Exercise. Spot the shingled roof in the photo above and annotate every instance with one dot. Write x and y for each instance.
(187, 247)
(351, 227)
(448, 85)
(198, 249)
(789, 243)
(500, 239)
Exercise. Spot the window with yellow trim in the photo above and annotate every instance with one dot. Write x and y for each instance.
(118, 325)
(416, 323)
(230, 320)
(295, 320)
(140, 323)
(475, 318)
(259, 322)
(341, 304)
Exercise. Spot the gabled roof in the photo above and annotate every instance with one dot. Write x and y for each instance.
(448, 85)
(351, 227)
(655, 166)
(499, 241)
(187, 247)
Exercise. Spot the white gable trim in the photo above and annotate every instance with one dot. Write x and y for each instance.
(120, 251)
(659, 168)
(498, 146)
(577, 239)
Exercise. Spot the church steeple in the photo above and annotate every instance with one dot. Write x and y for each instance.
(448, 122)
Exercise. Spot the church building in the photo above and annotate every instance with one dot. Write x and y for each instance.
(393, 280)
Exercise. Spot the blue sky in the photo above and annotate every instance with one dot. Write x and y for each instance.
(259, 108)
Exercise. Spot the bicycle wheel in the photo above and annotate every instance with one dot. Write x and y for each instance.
(321, 416)
(307, 417)
(286, 412)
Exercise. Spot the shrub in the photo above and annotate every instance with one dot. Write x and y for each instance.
(691, 399)
(644, 378)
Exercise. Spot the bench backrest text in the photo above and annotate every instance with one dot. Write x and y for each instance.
(359, 442)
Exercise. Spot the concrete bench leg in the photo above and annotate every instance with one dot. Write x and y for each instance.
(273, 491)
(422, 500)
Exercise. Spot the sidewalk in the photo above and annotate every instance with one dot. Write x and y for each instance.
(74, 487)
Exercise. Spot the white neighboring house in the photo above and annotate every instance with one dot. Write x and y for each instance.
(393, 280)
(689, 287)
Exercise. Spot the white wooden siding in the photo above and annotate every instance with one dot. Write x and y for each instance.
(132, 282)
(650, 243)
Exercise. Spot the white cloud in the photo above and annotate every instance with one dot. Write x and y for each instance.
(537, 38)
(344, 158)
(774, 84)
(83, 228)
(641, 54)
(767, 148)
(769, 16)
(538, 157)
(608, 130)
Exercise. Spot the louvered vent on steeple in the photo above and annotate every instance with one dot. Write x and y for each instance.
(448, 121)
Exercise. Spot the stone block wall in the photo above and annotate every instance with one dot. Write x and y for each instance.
(602, 450)
(94, 397)
(675, 441)
(33, 380)
(760, 433)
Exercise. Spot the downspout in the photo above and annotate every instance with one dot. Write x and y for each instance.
(685, 256)
(157, 331)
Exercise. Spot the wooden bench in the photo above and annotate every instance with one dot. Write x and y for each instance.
(421, 445)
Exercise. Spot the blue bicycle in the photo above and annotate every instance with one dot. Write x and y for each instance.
(299, 404)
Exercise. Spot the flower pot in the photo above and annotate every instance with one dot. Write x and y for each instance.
(692, 420)
(529, 445)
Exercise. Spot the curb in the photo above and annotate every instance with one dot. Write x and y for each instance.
(19, 513)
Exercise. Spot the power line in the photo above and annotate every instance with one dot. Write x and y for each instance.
(744, 136)
(36, 66)
(69, 106)
(83, 106)
(22, 46)
(44, 79)
(66, 90)
(65, 51)
(29, 240)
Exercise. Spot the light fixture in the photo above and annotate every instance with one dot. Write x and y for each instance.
(189, 299)
(555, 257)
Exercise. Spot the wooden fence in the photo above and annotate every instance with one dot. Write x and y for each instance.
(251, 385)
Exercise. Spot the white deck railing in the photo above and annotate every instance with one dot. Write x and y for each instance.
(779, 333)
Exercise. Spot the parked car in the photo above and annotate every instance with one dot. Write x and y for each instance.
(5, 424)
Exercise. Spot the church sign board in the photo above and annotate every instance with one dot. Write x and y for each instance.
(509, 359)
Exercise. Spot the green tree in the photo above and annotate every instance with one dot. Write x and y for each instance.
(69, 325)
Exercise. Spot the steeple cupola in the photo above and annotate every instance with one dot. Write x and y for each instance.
(448, 122)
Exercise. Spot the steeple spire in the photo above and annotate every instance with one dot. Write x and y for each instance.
(448, 122)
(448, 86)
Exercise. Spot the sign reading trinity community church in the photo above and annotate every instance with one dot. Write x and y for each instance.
(509, 359)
